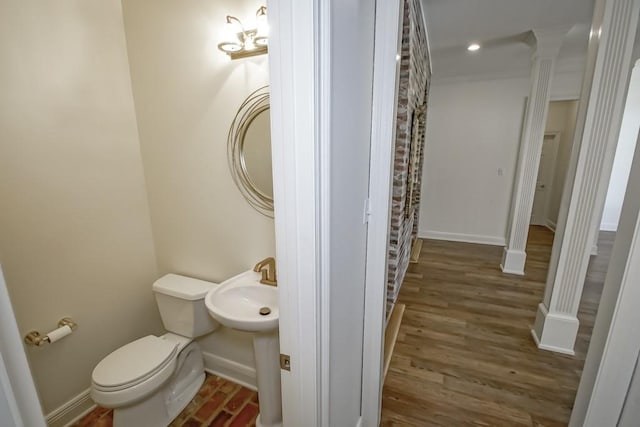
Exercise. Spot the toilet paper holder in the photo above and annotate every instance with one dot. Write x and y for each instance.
(65, 326)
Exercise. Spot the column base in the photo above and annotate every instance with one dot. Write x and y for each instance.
(555, 332)
(513, 261)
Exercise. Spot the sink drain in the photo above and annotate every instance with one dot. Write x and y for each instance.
(264, 311)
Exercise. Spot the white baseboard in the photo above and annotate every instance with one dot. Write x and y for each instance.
(460, 237)
(230, 370)
(71, 411)
(551, 225)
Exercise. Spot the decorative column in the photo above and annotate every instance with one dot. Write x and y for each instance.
(629, 120)
(548, 44)
(613, 349)
(600, 112)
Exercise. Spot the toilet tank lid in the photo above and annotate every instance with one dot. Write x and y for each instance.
(183, 287)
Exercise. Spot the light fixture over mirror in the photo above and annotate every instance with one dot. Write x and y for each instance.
(239, 42)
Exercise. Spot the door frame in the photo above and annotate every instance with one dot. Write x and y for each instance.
(556, 142)
(383, 125)
(293, 68)
(15, 376)
(299, 68)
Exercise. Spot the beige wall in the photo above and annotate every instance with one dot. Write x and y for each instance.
(186, 95)
(561, 118)
(76, 235)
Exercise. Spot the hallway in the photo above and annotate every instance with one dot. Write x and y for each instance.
(465, 355)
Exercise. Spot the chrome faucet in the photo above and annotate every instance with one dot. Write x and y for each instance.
(268, 268)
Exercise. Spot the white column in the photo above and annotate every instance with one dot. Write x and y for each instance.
(615, 177)
(600, 112)
(613, 352)
(548, 44)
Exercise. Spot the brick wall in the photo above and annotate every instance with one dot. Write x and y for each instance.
(412, 104)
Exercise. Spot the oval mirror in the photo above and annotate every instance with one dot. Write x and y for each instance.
(249, 151)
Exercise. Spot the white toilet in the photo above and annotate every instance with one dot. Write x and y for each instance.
(150, 380)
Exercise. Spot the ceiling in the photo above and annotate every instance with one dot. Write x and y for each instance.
(501, 27)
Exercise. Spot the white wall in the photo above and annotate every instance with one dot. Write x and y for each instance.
(186, 94)
(76, 234)
(473, 129)
(624, 154)
(472, 136)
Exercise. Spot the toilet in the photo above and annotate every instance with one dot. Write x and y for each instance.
(149, 381)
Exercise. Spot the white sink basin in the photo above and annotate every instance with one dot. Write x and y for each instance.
(244, 303)
(237, 302)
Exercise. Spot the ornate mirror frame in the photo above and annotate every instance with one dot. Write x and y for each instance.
(254, 105)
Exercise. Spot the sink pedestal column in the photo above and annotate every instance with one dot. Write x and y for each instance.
(266, 348)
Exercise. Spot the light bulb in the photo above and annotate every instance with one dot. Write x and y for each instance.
(262, 27)
(473, 47)
(233, 25)
(230, 41)
(229, 47)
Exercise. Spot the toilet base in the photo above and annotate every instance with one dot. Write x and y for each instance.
(164, 405)
(154, 411)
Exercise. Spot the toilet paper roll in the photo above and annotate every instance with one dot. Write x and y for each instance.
(58, 334)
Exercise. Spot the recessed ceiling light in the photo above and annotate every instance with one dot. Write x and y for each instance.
(473, 47)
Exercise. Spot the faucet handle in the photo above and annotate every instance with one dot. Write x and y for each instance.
(268, 269)
(269, 261)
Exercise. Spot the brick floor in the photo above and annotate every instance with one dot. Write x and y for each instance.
(219, 403)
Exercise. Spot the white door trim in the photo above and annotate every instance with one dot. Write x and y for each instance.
(16, 380)
(11, 417)
(386, 69)
(293, 72)
(323, 128)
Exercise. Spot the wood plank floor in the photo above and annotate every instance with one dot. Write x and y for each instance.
(465, 355)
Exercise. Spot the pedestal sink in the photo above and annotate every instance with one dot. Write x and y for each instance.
(243, 303)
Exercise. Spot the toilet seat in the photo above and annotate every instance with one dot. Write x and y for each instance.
(134, 363)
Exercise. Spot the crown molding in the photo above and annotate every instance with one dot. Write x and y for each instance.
(571, 65)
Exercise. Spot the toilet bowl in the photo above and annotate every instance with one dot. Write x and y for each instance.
(150, 380)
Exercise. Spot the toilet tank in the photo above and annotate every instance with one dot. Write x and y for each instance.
(181, 303)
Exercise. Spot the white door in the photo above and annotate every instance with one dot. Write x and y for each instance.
(545, 178)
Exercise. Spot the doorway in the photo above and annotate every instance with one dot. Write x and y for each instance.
(544, 182)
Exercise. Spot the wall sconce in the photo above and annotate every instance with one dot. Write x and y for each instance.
(239, 42)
